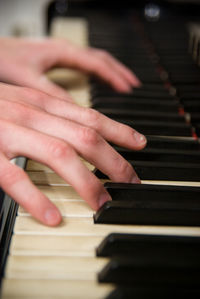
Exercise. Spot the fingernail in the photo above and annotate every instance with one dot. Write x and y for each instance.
(104, 197)
(52, 216)
(139, 138)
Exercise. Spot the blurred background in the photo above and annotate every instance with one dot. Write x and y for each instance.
(23, 17)
(28, 17)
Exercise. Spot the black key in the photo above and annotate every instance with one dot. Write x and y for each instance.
(150, 247)
(190, 97)
(134, 103)
(153, 87)
(192, 105)
(188, 89)
(141, 292)
(160, 128)
(147, 211)
(130, 271)
(152, 154)
(195, 118)
(127, 114)
(147, 77)
(171, 143)
(185, 78)
(146, 87)
(148, 170)
(127, 192)
(197, 128)
(138, 93)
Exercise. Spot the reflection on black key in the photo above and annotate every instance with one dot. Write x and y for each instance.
(148, 170)
(138, 273)
(150, 247)
(150, 212)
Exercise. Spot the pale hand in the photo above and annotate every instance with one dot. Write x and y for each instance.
(56, 132)
(24, 62)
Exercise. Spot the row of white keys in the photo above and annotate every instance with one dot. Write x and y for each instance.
(65, 253)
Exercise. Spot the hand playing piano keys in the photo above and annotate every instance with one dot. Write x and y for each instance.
(39, 120)
(24, 62)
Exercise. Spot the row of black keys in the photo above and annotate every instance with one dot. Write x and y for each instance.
(153, 112)
(157, 205)
(181, 70)
(151, 265)
(150, 205)
(171, 47)
(151, 116)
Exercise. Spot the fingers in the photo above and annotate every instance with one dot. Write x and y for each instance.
(122, 69)
(16, 183)
(109, 129)
(59, 156)
(97, 62)
(86, 141)
(26, 68)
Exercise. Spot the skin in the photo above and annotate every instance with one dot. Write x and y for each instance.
(39, 120)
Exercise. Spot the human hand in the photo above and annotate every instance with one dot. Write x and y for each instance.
(24, 62)
(55, 132)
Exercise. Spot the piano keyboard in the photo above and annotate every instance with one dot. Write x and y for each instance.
(62, 262)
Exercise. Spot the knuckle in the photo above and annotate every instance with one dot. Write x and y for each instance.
(35, 96)
(11, 175)
(22, 113)
(25, 114)
(58, 149)
(93, 117)
(88, 136)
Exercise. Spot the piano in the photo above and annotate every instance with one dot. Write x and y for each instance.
(146, 242)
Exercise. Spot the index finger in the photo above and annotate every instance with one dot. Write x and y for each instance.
(97, 62)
